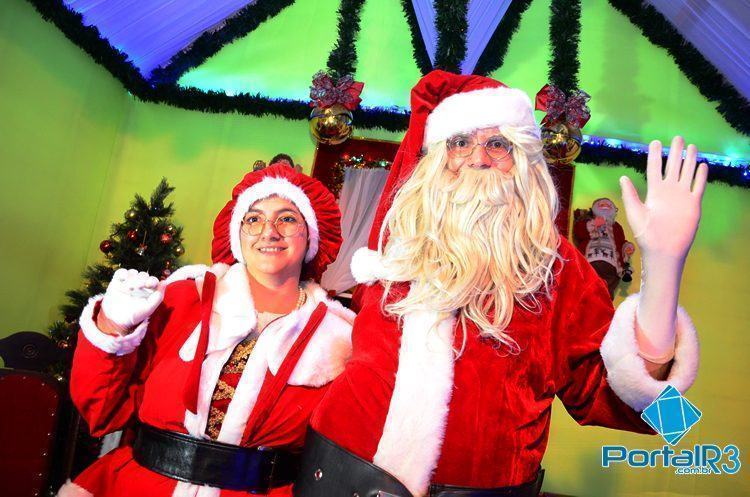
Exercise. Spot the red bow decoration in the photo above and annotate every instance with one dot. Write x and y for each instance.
(325, 92)
(572, 109)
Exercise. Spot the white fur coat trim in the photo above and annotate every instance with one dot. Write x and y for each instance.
(323, 358)
(195, 271)
(415, 425)
(118, 345)
(122, 345)
(626, 370)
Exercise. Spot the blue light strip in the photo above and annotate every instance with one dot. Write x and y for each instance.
(708, 158)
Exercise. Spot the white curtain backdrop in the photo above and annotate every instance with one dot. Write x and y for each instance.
(358, 201)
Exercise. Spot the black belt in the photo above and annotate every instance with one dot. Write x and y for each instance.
(329, 470)
(529, 489)
(217, 464)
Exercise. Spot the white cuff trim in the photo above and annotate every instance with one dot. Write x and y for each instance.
(626, 369)
(118, 345)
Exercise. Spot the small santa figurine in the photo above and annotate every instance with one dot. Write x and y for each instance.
(602, 241)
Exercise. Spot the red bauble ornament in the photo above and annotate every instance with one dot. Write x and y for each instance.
(106, 246)
(165, 238)
(132, 235)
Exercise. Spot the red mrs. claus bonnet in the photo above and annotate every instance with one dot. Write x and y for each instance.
(314, 201)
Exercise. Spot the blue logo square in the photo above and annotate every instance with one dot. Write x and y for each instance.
(671, 415)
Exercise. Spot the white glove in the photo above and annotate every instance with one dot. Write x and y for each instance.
(131, 297)
(664, 228)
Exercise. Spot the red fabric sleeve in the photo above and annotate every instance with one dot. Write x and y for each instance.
(105, 387)
(582, 314)
(353, 411)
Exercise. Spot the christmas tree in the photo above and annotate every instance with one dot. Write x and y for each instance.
(145, 240)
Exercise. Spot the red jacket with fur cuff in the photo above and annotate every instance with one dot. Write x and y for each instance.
(143, 374)
(408, 404)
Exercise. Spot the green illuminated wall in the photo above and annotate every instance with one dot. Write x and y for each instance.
(60, 115)
(75, 147)
(714, 292)
(277, 59)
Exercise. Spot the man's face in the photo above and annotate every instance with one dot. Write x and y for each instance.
(483, 149)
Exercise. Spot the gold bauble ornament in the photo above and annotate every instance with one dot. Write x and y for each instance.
(331, 125)
(562, 143)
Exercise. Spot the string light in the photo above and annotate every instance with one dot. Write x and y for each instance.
(712, 160)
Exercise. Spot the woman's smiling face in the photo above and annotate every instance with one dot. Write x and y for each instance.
(273, 237)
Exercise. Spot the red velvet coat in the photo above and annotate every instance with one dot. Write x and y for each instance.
(407, 404)
(114, 379)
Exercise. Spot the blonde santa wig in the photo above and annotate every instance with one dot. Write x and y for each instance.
(474, 242)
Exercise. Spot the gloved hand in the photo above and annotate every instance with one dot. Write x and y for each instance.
(131, 297)
(664, 227)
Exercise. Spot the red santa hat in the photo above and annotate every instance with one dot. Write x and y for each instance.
(314, 201)
(442, 105)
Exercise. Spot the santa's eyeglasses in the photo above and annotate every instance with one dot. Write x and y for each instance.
(462, 146)
(286, 225)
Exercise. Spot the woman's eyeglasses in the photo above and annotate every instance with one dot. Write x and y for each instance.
(462, 146)
(286, 225)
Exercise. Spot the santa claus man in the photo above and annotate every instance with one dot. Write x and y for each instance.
(479, 313)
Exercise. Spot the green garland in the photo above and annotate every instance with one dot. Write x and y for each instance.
(89, 39)
(494, 53)
(343, 58)
(709, 81)
(421, 57)
(451, 24)
(604, 155)
(256, 105)
(564, 33)
(240, 24)
(117, 63)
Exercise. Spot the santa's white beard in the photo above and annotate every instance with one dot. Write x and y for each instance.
(474, 198)
(472, 219)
